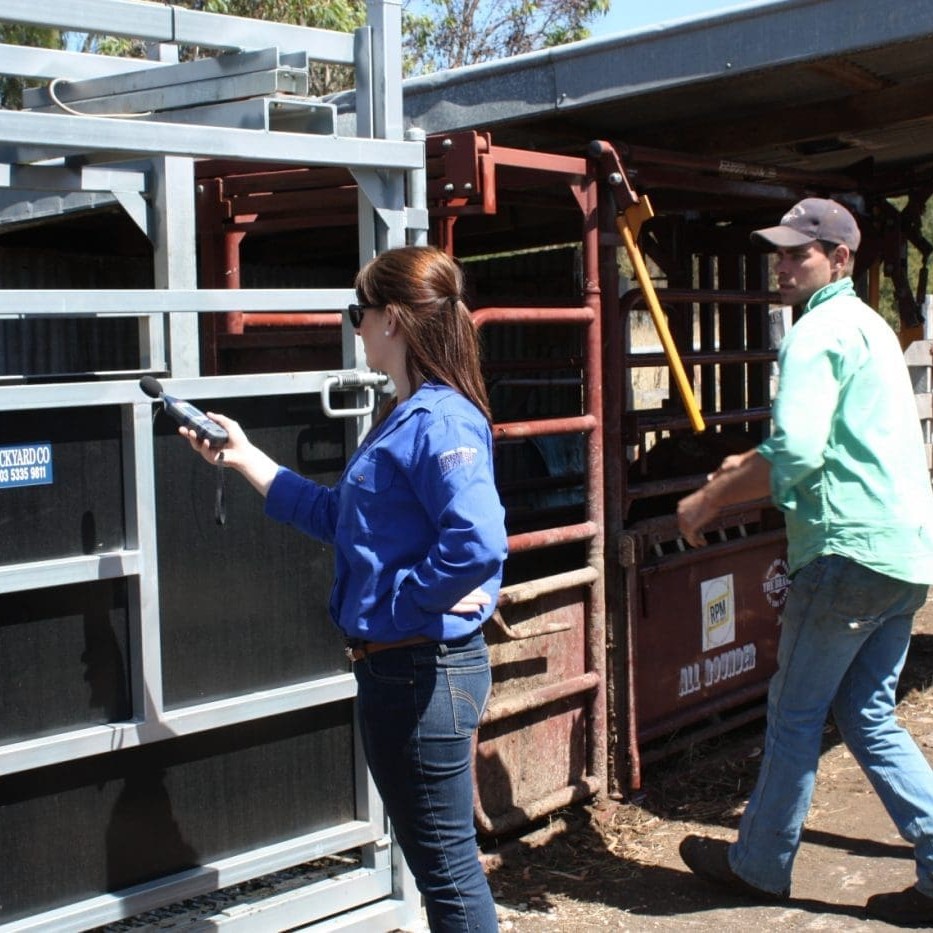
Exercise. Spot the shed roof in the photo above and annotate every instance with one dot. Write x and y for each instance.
(809, 85)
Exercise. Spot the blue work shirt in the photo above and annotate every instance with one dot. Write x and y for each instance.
(415, 521)
(848, 466)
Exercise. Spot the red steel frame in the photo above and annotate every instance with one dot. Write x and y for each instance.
(470, 184)
(472, 171)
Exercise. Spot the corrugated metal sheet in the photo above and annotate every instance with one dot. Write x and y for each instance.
(37, 348)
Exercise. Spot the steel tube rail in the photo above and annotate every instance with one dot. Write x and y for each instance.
(120, 139)
(548, 537)
(136, 302)
(166, 23)
(516, 430)
(517, 817)
(515, 705)
(487, 316)
(519, 593)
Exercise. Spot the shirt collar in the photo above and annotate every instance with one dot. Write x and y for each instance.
(425, 398)
(843, 286)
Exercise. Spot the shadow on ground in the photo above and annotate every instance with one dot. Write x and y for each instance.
(615, 863)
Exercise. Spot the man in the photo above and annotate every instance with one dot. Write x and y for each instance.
(846, 465)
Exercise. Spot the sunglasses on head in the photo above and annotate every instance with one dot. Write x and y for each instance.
(355, 313)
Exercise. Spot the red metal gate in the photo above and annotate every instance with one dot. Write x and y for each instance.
(542, 743)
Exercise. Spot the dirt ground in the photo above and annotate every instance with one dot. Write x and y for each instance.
(616, 866)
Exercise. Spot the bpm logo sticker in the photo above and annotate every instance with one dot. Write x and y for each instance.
(27, 465)
(717, 598)
(776, 583)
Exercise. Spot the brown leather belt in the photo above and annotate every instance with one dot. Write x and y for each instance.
(361, 650)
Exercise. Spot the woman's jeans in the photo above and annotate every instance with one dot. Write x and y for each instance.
(844, 638)
(418, 709)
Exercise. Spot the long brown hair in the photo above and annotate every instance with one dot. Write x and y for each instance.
(424, 288)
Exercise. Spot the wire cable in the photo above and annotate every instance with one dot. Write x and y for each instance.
(53, 85)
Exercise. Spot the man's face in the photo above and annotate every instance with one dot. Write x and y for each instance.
(803, 270)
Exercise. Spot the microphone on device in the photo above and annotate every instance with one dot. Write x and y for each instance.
(185, 413)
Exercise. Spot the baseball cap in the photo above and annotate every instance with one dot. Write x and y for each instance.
(813, 219)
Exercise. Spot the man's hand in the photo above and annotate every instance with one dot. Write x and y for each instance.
(740, 478)
(693, 513)
(731, 464)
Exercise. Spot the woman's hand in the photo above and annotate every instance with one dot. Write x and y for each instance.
(471, 603)
(239, 453)
(235, 438)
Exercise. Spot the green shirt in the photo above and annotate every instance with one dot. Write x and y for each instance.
(848, 467)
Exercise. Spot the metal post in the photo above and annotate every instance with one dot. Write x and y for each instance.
(172, 232)
(418, 190)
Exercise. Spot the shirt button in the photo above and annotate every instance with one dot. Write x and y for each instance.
(360, 477)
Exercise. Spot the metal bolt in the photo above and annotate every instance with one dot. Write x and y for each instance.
(447, 143)
(449, 188)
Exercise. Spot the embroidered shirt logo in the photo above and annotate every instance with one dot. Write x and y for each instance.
(459, 456)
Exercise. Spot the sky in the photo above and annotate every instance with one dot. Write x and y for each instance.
(626, 15)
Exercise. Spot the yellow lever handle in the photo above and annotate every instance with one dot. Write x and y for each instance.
(660, 320)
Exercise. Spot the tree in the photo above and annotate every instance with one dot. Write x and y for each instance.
(888, 304)
(338, 15)
(11, 87)
(436, 33)
(449, 33)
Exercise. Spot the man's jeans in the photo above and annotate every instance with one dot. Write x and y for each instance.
(418, 709)
(844, 638)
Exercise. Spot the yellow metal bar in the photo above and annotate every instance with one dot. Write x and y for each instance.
(628, 225)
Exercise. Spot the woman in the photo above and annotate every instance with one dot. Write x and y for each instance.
(418, 532)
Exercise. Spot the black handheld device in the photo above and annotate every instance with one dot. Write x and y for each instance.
(185, 413)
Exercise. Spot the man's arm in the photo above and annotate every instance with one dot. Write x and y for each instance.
(740, 478)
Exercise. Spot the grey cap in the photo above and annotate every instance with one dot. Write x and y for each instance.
(813, 219)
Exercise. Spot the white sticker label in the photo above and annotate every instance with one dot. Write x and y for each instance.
(717, 599)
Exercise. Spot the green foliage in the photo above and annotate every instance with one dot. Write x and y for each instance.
(887, 303)
(436, 33)
(443, 34)
(11, 87)
(337, 15)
